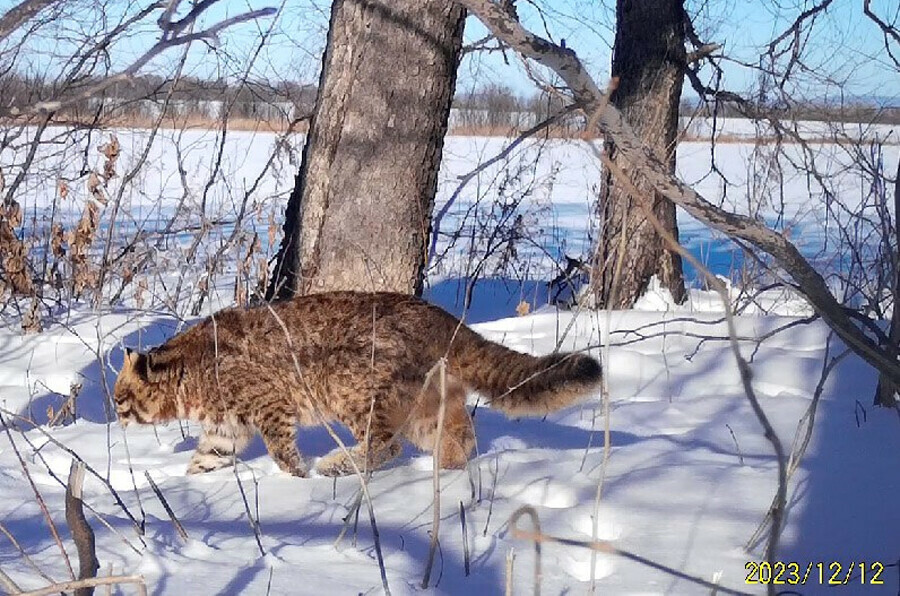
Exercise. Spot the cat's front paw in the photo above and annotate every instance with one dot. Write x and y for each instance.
(202, 463)
(298, 471)
(334, 464)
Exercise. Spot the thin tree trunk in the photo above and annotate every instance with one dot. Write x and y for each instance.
(886, 392)
(648, 60)
(360, 212)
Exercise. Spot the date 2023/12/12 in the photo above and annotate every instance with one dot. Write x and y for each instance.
(830, 573)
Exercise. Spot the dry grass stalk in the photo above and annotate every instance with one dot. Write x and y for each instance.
(510, 559)
(81, 531)
(262, 276)
(363, 480)
(182, 533)
(536, 523)
(779, 506)
(436, 472)
(15, 543)
(465, 537)
(272, 228)
(63, 447)
(244, 266)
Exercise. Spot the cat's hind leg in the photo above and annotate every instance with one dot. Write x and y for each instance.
(278, 428)
(457, 433)
(374, 425)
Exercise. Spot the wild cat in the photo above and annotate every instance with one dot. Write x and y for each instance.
(362, 359)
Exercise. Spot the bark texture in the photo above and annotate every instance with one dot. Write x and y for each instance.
(648, 60)
(360, 213)
(886, 392)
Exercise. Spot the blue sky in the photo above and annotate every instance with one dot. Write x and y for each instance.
(843, 47)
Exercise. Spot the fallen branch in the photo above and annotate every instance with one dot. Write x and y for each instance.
(91, 583)
(81, 531)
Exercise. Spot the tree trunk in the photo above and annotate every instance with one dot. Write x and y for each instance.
(886, 391)
(360, 212)
(648, 59)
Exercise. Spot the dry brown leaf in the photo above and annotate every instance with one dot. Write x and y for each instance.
(12, 212)
(31, 322)
(523, 309)
(273, 229)
(139, 293)
(57, 239)
(95, 187)
(111, 151)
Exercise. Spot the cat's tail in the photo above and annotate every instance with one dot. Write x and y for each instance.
(521, 384)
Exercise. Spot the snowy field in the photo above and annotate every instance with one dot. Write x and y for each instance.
(516, 219)
(689, 479)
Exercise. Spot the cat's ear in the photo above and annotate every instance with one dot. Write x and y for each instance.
(136, 362)
(130, 357)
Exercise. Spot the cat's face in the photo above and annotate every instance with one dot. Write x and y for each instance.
(137, 398)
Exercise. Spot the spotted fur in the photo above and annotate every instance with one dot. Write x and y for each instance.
(362, 359)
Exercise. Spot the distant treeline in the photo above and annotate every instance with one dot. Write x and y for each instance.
(869, 113)
(490, 108)
(146, 96)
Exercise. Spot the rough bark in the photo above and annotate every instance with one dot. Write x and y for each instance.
(886, 392)
(648, 62)
(361, 208)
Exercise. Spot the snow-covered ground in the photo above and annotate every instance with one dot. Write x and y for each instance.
(689, 479)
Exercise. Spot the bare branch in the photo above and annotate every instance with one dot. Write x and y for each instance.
(18, 15)
(166, 42)
(586, 91)
(90, 583)
(889, 32)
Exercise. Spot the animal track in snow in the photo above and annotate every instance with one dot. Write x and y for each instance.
(544, 492)
(608, 528)
(577, 563)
